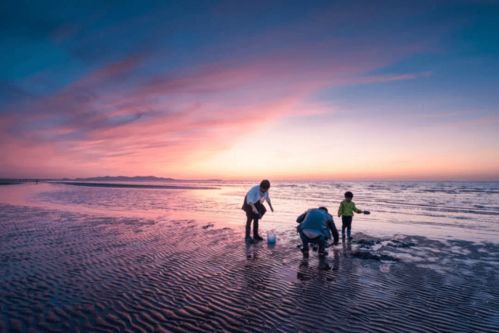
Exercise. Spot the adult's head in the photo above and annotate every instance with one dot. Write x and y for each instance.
(264, 185)
(324, 209)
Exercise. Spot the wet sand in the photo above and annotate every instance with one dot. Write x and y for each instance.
(73, 272)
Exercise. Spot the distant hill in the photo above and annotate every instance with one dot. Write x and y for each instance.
(137, 179)
(126, 179)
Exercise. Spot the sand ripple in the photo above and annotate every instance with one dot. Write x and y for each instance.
(67, 272)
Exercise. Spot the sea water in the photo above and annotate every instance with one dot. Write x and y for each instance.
(458, 210)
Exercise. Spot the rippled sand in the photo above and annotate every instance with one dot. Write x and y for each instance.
(69, 272)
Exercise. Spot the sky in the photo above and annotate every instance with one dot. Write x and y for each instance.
(350, 90)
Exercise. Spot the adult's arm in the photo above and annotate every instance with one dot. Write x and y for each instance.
(253, 208)
(301, 217)
(334, 231)
(270, 204)
(251, 199)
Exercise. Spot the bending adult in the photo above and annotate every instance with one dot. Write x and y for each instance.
(254, 208)
(316, 226)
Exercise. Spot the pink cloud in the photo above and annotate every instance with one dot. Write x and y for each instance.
(396, 77)
(101, 122)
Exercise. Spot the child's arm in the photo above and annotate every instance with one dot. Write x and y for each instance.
(340, 210)
(359, 211)
(355, 209)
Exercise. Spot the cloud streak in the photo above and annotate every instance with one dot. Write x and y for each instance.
(151, 105)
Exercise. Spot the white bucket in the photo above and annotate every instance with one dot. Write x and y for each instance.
(271, 237)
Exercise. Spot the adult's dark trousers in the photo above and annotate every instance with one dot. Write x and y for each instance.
(252, 217)
(321, 240)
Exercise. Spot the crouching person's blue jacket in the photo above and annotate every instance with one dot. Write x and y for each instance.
(316, 221)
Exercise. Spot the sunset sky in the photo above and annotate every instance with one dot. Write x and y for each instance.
(250, 89)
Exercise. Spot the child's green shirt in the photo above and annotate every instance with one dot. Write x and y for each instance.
(347, 208)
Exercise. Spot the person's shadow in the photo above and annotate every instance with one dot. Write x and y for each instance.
(302, 273)
(324, 264)
(255, 271)
(305, 273)
(336, 256)
(252, 251)
(347, 248)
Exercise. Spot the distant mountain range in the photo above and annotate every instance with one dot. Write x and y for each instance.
(5, 181)
(125, 179)
(134, 179)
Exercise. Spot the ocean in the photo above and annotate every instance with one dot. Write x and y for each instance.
(459, 210)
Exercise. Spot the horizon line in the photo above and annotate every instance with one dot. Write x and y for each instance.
(395, 179)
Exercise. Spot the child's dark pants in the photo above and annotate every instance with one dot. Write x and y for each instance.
(346, 223)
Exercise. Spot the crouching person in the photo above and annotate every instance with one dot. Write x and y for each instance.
(316, 226)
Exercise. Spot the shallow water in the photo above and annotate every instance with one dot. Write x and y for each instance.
(439, 210)
(120, 259)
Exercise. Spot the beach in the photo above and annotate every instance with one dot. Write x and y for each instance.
(115, 259)
(165, 165)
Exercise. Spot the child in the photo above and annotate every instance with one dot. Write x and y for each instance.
(346, 210)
